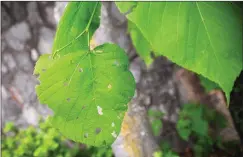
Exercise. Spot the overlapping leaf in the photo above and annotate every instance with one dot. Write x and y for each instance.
(79, 21)
(205, 37)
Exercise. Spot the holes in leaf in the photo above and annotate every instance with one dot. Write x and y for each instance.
(80, 69)
(83, 107)
(97, 130)
(113, 124)
(109, 86)
(114, 134)
(86, 135)
(99, 110)
(68, 99)
(43, 70)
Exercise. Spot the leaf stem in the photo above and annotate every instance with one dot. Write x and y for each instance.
(54, 54)
(88, 25)
(91, 18)
(88, 41)
(84, 31)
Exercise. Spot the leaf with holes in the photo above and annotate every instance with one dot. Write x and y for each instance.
(204, 37)
(78, 23)
(88, 92)
(43, 63)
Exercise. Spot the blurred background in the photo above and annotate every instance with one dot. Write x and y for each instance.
(28, 30)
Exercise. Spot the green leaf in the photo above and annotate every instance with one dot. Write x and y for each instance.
(207, 84)
(199, 125)
(155, 114)
(191, 118)
(158, 154)
(9, 127)
(126, 7)
(43, 63)
(156, 126)
(183, 128)
(88, 92)
(204, 37)
(171, 154)
(77, 24)
(140, 43)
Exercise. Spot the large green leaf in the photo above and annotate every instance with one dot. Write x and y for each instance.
(88, 92)
(205, 37)
(140, 43)
(79, 21)
(43, 63)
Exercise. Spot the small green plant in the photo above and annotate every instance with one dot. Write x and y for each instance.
(44, 142)
(156, 121)
(165, 151)
(194, 121)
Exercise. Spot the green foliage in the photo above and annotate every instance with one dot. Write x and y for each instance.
(194, 121)
(204, 37)
(191, 119)
(156, 121)
(140, 43)
(207, 84)
(78, 23)
(165, 151)
(9, 127)
(43, 142)
(156, 126)
(184, 128)
(157, 154)
(155, 113)
(88, 90)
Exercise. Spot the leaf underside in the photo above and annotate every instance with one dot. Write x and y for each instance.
(204, 37)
